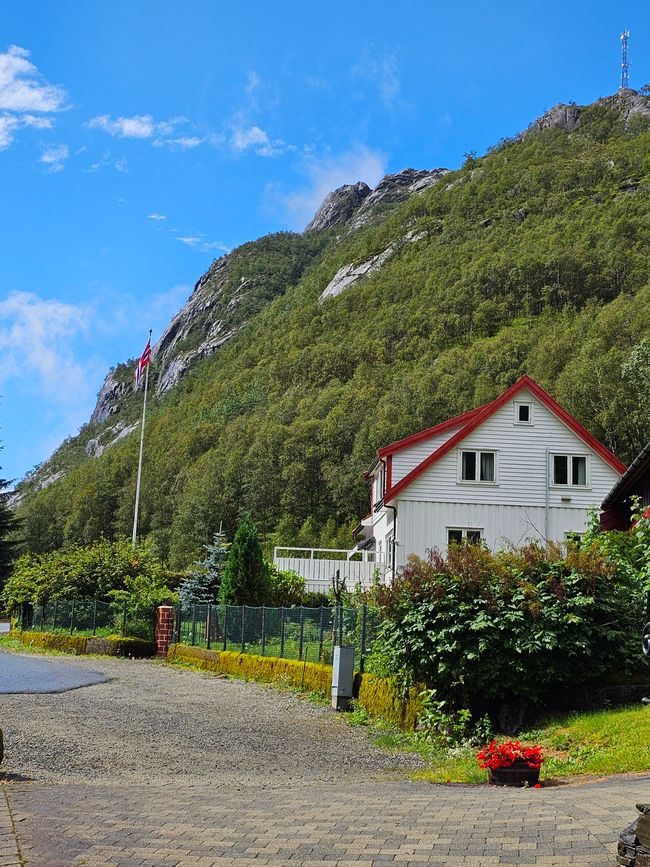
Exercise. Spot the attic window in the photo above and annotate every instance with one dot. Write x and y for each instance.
(477, 466)
(523, 413)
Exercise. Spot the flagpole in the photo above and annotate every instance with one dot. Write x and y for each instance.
(137, 484)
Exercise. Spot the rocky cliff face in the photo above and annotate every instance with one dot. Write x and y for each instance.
(627, 102)
(339, 206)
(210, 317)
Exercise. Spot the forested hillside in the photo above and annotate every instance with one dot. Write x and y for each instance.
(532, 259)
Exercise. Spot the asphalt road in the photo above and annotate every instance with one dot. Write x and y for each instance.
(30, 674)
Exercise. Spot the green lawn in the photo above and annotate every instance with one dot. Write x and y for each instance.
(599, 743)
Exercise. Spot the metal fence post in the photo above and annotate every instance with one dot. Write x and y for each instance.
(243, 633)
(282, 632)
(302, 631)
(193, 624)
(94, 617)
(320, 635)
(56, 603)
(225, 627)
(208, 625)
(364, 615)
(71, 618)
(263, 631)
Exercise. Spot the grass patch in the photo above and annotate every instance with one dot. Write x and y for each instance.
(598, 743)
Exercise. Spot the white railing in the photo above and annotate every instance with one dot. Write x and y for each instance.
(318, 566)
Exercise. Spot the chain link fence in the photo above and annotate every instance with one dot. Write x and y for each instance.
(291, 633)
(89, 617)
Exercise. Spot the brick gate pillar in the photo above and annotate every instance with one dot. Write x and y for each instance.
(164, 629)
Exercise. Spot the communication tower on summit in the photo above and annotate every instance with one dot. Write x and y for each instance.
(625, 66)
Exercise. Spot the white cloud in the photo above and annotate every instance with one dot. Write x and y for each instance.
(10, 123)
(138, 126)
(382, 73)
(258, 140)
(157, 217)
(108, 161)
(182, 143)
(325, 175)
(199, 242)
(36, 345)
(23, 88)
(54, 157)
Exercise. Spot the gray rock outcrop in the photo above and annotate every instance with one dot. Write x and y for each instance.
(626, 102)
(392, 190)
(339, 206)
(109, 395)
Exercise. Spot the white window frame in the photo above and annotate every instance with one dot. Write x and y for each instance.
(464, 531)
(478, 453)
(569, 485)
(531, 415)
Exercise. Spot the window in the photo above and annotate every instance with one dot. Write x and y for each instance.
(523, 413)
(572, 537)
(569, 470)
(478, 466)
(457, 535)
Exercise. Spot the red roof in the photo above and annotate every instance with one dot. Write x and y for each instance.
(471, 420)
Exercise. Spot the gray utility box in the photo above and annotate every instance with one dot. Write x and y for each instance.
(342, 677)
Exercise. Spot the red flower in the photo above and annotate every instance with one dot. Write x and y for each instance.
(505, 754)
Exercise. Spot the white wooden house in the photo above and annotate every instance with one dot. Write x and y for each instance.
(517, 469)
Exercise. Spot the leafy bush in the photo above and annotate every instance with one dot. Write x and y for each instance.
(287, 588)
(502, 631)
(103, 570)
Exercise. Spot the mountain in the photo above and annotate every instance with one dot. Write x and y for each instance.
(297, 355)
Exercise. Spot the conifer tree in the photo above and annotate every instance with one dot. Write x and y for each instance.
(8, 525)
(203, 583)
(245, 579)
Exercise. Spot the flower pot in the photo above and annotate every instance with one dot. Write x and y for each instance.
(517, 774)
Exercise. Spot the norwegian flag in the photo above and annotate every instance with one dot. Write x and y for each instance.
(145, 358)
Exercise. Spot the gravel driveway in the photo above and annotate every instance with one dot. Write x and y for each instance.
(152, 723)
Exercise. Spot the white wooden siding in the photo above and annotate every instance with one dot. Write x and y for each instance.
(407, 459)
(422, 525)
(521, 461)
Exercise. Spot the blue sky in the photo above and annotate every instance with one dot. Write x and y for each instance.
(140, 139)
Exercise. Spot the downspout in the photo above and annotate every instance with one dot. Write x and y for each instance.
(546, 489)
(394, 540)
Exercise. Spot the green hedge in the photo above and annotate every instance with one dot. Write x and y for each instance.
(75, 644)
(113, 645)
(266, 669)
(380, 696)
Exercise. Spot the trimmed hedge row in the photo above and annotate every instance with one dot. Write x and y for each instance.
(262, 668)
(113, 645)
(75, 644)
(380, 696)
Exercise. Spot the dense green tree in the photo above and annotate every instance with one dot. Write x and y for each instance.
(530, 259)
(8, 527)
(245, 578)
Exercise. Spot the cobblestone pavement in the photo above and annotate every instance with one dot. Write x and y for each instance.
(170, 768)
(347, 824)
(8, 846)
